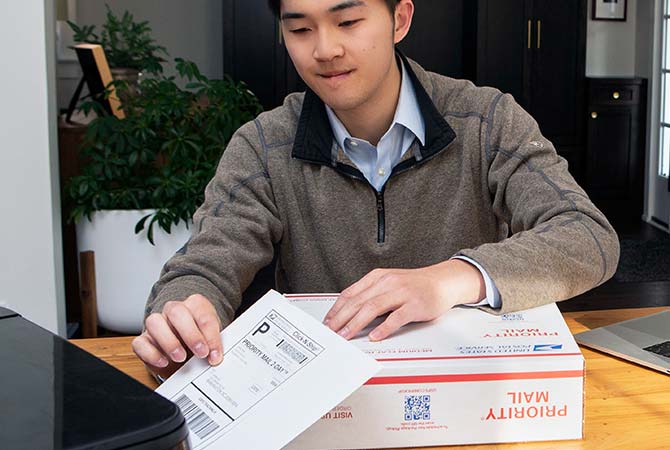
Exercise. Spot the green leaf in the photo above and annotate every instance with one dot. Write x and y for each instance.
(83, 188)
(150, 232)
(140, 225)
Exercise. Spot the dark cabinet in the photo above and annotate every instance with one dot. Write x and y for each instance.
(439, 36)
(616, 145)
(253, 51)
(503, 47)
(536, 51)
(557, 79)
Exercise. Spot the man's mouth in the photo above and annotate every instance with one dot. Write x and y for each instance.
(335, 74)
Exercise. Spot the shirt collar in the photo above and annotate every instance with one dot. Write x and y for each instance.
(407, 113)
(314, 137)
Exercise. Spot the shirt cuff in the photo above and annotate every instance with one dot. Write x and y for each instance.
(492, 298)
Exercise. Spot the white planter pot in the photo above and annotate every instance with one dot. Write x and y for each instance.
(126, 264)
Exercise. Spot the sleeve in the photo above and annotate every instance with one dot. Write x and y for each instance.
(492, 294)
(233, 236)
(559, 244)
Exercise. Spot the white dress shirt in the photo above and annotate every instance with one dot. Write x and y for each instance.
(376, 163)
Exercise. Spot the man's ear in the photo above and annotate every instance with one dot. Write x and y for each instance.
(404, 11)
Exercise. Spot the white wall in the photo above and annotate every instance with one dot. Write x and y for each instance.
(188, 29)
(644, 38)
(31, 273)
(611, 46)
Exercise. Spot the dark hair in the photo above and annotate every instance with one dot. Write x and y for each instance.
(275, 5)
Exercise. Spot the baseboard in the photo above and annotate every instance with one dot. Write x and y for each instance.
(658, 223)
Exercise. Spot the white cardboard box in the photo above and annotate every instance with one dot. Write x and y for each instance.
(469, 377)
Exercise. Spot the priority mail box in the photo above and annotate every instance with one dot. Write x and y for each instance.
(469, 377)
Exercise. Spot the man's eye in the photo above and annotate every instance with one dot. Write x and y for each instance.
(299, 30)
(348, 23)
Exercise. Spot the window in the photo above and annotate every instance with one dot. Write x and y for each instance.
(664, 157)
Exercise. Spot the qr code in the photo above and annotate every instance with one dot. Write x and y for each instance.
(417, 407)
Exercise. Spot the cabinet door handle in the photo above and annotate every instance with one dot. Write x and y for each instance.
(530, 36)
(616, 95)
(594, 115)
(539, 33)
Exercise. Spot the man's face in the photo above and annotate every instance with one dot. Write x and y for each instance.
(342, 49)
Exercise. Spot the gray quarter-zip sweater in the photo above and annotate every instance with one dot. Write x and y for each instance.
(486, 185)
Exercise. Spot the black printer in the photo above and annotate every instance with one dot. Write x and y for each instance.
(53, 395)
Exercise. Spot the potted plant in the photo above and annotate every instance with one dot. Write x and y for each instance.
(128, 45)
(148, 172)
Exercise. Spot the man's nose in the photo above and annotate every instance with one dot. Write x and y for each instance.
(327, 46)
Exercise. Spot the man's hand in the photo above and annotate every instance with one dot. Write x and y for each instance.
(410, 295)
(191, 326)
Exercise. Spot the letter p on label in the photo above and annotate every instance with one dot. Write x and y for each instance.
(263, 328)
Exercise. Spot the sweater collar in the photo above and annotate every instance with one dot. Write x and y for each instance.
(314, 136)
(407, 113)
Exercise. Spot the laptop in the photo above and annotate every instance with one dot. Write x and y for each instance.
(644, 341)
(56, 396)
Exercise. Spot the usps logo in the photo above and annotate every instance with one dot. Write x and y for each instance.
(417, 407)
(547, 347)
(512, 317)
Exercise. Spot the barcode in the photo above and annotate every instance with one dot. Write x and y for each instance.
(292, 352)
(197, 421)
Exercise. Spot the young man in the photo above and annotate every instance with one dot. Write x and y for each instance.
(408, 191)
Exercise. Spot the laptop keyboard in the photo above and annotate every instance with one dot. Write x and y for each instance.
(662, 349)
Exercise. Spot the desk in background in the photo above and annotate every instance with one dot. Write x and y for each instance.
(627, 406)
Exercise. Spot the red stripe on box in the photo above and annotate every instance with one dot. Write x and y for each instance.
(459, 378)
(513, 355)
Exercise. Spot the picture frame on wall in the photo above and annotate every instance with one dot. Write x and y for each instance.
(609, 10)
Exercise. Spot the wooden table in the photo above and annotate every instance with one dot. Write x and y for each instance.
(627, 406)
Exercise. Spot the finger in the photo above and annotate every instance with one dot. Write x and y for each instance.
(163, 372)
(393, 322)
(370, 310)
(148, 352)
(180, 317)
(209, 324)
(385, 284)
(336, 308)
(161, 333)
(352, 291)
(344, 315)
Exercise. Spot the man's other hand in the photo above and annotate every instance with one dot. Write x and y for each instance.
(409, 295)
(183, 328)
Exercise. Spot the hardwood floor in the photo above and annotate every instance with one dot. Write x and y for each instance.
(613, 294)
